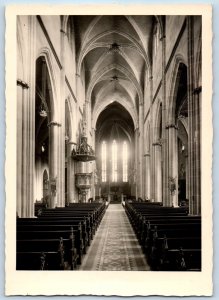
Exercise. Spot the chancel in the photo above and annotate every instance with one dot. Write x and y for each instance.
(108, 142)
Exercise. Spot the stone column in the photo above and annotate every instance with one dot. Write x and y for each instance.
(70, 174)
(136, 179)
(22, 120)
(173, 163)
(93, 181)
(94, 166)
(151, 116)
(53, 162)
(187, 176)
(19, 147)
(61, 116)
(147, 176)
(158, 171)
(140, 141)
(193, 127)
(194, 156)
(197, 149)
(165, 158)
(29, 121)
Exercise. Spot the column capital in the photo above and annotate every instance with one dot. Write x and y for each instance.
(158, 143)
(147, 155)
(23, 84)
(54, 123)
(169, 126)
(71, 143)
(197, 90)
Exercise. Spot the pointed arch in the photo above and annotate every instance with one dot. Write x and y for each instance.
(173, 89)
(98, 111)
(46, 53)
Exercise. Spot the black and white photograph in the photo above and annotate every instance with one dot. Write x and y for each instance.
(110, 114)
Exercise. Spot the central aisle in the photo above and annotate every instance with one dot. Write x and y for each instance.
(115, 246)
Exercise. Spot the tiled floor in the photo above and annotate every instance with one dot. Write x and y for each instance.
(115, 247)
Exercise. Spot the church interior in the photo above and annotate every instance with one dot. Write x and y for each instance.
(109, 142)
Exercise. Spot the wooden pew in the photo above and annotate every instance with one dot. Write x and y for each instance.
(62, 250)
(38, 260)
(169, 237)
(36, 237)
(48, 231)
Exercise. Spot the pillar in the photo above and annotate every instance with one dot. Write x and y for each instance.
(29, 119)
(187, 176)
(173, 164)
(61, 133)
(165, 157)
(194, 96)
(147, 176)
(158, 172)
(53, 163)
(94, 168)
(22, 88)
(151, 133)
(136, 168)
(140, 141)
(70, 174)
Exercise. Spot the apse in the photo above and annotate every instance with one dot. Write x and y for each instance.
(115, 151)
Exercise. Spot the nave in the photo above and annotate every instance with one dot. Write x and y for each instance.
(115, 246)
(127, 236)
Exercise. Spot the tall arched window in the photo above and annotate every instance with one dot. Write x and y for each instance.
(114, 161)
(125, 162)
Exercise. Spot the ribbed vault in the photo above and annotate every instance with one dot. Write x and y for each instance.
(113, 56)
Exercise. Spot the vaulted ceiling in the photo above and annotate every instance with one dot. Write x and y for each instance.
(114, 53)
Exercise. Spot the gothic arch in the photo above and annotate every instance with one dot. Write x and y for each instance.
(45, 52)
(173, 89)
(98, 111)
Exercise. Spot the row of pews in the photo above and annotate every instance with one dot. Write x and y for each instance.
(58, 238)
(170, 238)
